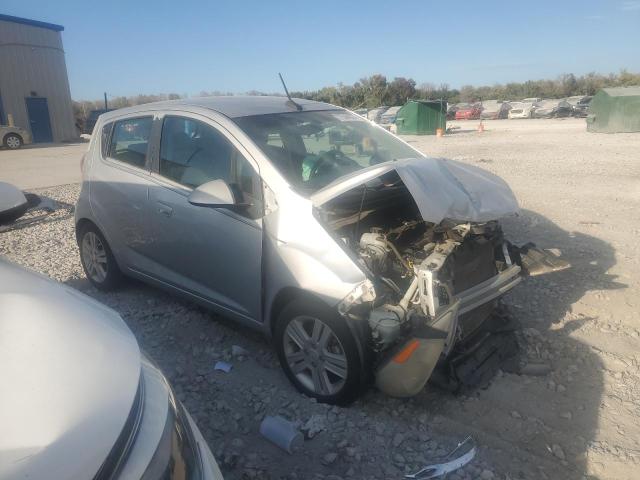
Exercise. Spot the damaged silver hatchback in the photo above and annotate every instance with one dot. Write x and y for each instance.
(360, 257)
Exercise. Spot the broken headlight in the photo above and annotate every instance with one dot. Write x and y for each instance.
(362, 293)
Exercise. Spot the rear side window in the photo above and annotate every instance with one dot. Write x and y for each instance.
(129, 141)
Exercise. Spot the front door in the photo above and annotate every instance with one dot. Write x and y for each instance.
(38, 111)
(213, 253)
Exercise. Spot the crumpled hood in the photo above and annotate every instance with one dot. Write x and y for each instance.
(442, 189)
(70, 369)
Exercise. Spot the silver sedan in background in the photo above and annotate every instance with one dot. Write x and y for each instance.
(79, 399)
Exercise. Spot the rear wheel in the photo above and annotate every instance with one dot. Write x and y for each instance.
(318, 352)
(12, 141)
(97, 260)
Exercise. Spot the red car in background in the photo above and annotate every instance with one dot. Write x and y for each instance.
(468, 112)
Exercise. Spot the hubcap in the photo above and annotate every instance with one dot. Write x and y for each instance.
(315, 355)
(13, 142)
(94, 257)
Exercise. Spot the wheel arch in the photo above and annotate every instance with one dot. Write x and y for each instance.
(284, 297)
(4, 139)
(82, 223)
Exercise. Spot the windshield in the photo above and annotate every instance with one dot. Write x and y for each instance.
(312, 149)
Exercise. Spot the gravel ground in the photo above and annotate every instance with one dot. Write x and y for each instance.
(580, 193)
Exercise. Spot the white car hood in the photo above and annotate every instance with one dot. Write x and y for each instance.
(70, 369)
(442, 189)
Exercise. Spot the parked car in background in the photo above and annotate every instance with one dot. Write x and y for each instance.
(14, 137)
(531, 100)
(580, 104)
(452, 108)
(494, 109)
(79, 399)
(468, 112)
(376, 113)
(520, 110)
(255, 207)
(552, 108)
(388, 118)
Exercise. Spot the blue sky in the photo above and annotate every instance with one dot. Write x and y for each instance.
(145, 46)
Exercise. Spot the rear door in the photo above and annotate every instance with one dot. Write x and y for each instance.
(212, 253)
(119, 187)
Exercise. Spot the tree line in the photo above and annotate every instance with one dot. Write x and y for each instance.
(377, 90)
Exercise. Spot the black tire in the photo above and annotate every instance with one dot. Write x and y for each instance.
(112, 277)
(12, 141)
(304, 312)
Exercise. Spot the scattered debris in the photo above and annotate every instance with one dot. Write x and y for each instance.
(440, 469)
(557, 451)
(238, 351)
(223, 367)
(315, 425)
(588, 222)
(282, 433)
(28, 208)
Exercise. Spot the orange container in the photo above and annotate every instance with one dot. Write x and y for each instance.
(439, 132)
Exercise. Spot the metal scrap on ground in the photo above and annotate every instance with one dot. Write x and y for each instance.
(440, 469)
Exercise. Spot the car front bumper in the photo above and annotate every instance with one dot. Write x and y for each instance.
(406, 369)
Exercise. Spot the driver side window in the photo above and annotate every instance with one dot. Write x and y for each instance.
(193, 153)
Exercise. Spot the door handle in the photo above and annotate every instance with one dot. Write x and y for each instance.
(165, 210)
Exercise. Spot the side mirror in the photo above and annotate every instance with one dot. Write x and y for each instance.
(213, 194)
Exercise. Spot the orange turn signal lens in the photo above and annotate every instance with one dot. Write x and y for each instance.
(403, 355)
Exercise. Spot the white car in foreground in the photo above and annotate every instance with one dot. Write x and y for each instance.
(79, 399)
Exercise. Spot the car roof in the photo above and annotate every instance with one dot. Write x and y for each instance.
(232, 106)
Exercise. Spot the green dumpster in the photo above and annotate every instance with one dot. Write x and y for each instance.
(422, 117)
(614, 110)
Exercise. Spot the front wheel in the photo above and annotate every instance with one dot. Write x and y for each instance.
(318, 352)
(12, 141)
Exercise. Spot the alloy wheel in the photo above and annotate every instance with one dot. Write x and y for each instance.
(315, 355)
(94, 256)
(13, 141)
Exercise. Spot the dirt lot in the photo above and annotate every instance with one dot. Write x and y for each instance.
(579, 193)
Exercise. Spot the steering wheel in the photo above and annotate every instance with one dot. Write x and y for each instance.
(326, 162)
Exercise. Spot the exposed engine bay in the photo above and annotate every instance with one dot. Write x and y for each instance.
(434, 285)
(421, 268)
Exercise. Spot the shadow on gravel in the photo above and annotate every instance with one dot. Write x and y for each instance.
(526, 426)
(542, 426)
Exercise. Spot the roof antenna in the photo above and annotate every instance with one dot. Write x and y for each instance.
(295, 105)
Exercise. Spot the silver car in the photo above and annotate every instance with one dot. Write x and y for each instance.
(12, 137)
(353, 251)
(79, 400)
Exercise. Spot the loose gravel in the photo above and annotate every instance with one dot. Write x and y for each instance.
(574, 415)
